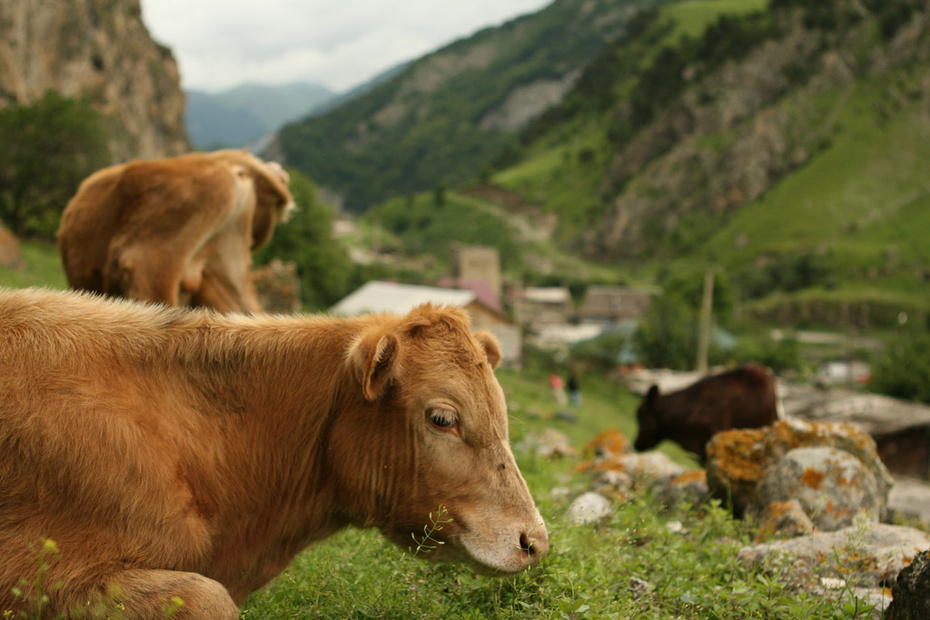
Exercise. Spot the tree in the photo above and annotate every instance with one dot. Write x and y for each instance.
(902, 370)
(324, 267)
(667, 334)
(49, 147)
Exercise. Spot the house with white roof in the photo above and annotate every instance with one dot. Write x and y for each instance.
(378, 297)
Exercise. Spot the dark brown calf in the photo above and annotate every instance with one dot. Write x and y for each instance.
(740, 398)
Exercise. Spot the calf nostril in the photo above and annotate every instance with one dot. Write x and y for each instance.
(531, 545)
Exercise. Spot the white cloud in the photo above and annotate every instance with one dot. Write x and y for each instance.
(338, 43)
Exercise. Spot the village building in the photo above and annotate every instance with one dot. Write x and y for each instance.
(471, 263)
(394, 298)
(536, 307)
(612, 305)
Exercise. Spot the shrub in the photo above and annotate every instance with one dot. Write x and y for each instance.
(49, 147)
(902, 370)
(324, 266)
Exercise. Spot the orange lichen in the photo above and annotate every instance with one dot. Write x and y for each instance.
(695, 475)
(609, 441)
(812, 478)
(734, 452)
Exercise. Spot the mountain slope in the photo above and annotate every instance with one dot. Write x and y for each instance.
(785, 147)
(445, 117)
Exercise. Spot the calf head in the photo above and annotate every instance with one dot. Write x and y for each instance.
(648, 418)
(429, 461)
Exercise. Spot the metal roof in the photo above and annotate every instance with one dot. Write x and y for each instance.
(389, 297)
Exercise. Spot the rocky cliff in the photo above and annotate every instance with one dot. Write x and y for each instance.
(733, 135)
(101, 50)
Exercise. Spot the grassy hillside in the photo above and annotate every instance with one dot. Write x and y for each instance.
(861, 203)
(445, 117)
(828, 229)
(431, 223)
(560, 159)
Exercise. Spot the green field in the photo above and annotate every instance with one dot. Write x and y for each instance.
(43, 268)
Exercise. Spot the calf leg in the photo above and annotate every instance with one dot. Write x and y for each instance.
(154, 594)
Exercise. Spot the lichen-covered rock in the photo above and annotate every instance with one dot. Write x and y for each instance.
(589, 507)
(738, 459)
(550, 443)
(608, 443)
(687, 488)
(868, 556)
(615, 484)
(650, 466)
(912, 591)
(784, 520)
(832, 486)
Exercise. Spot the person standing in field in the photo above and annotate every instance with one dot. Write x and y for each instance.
(574, 388)
(558, 389)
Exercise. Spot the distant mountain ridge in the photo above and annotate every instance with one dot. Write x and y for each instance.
(445, 117)
(240, 116)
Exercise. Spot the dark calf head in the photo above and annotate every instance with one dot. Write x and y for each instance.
(647, 416)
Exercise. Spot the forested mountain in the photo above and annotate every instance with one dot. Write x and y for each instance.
(445, 117)
(239, 116)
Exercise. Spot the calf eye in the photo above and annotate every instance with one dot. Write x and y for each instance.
(442, 418)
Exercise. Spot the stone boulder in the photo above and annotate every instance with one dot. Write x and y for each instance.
(869, 556)
(688, 488)
(589, 507)
(550, 443)
(784, 520)
(608, 443)
(912, 591)
(833, 487)
(737, 460)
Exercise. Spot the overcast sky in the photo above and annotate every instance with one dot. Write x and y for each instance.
(337, 43)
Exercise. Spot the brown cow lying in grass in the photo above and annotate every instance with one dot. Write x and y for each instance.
(174, 453)
(179, 231)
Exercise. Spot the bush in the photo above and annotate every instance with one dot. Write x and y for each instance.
(323, 265)
(667, 335)
(49, 147)
(902, 370)
(605, 352)
(779, 355)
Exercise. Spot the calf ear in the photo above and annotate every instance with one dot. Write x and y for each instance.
(374, 362)
(652, 394)
(492, 347)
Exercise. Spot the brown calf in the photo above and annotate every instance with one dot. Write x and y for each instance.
(184, 453)
(740, 398)
(179, 231)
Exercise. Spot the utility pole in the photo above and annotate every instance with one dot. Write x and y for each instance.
(704, 334)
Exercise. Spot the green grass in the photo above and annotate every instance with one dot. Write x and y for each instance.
(43, 268)
(692, 17)
(693, 574)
